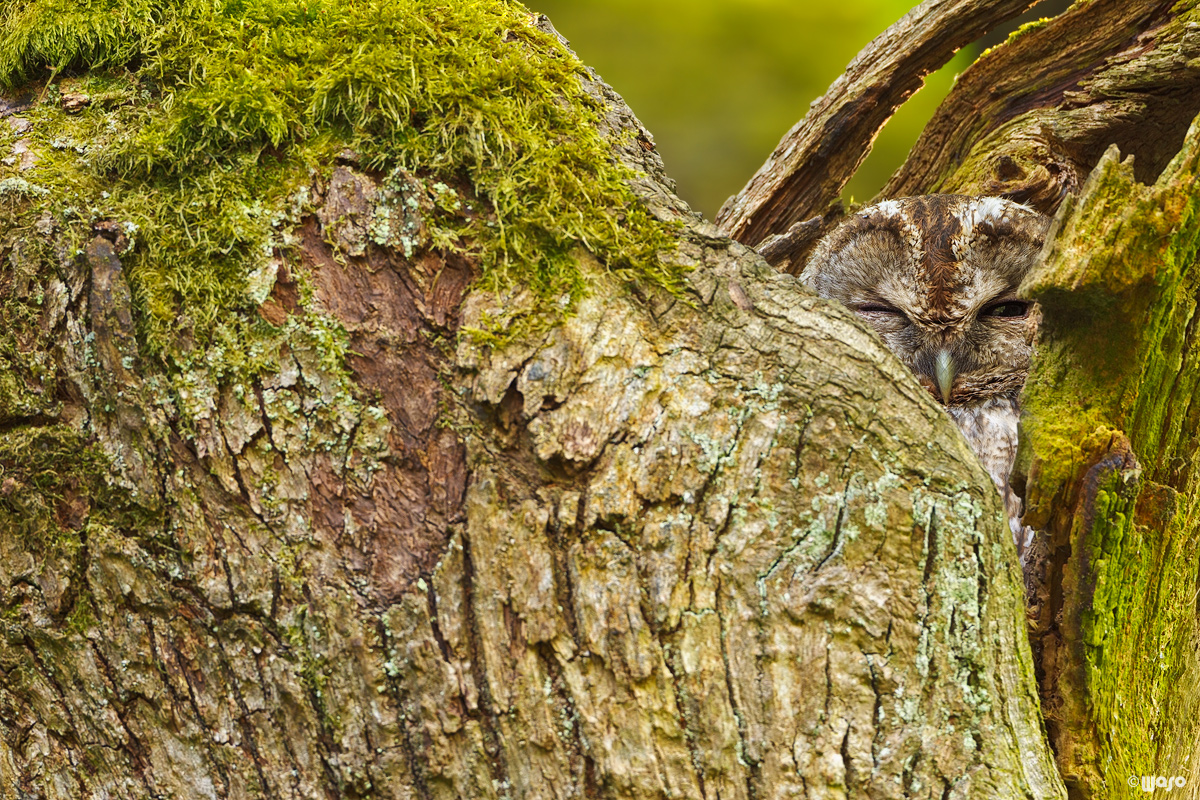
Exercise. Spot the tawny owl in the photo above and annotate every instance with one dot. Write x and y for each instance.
(937, 278)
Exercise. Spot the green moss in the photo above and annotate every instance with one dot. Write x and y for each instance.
(1027, 27)
(215, 114)
(1138, 632)
(57, 34)
(82, 617)
(1118, 369)
(41, 469)
(1021, 30)
(17, 370)
(1102, 284)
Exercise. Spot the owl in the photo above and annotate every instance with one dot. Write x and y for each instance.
(936, 277)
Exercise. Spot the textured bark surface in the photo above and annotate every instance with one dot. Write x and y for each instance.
(1112, 440)
(665, 563)
(713, 545)
(1029, 120)
(1107, 89)
(204, 619)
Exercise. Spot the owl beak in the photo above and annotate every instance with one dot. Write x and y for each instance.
(944, 372)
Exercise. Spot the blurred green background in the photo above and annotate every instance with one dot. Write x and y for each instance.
(719, 82)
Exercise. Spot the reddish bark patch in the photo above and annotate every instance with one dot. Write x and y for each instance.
(284, 299)
(73, 507)
(395, 311)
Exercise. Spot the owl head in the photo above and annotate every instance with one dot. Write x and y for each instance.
(937, 278)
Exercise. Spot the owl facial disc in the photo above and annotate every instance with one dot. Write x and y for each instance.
(937, 278)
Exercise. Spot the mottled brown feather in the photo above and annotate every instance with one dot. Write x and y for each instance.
(943, 261)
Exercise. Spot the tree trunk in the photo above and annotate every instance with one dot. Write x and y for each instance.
(1110, 434)
(286, 512)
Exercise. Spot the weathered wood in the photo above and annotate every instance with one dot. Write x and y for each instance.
(816, 159)
(1110, 456)
(1112, 437)
(713, 544)
(1029, 120)
(786, 251)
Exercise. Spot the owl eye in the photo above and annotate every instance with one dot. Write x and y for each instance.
(1009, 308)
(878, 308)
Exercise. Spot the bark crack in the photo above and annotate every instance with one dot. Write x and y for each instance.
(62, 699)
(1171, 405)
(249, 741)
(198, 716)
(688, 735)
(410, 750)
(753, 776)
(133, 746)
(487, 704)
(325, 740)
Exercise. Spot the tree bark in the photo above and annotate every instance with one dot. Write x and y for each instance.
(815, 160)
(1108, 89)
(709, 544)
(1112, 478)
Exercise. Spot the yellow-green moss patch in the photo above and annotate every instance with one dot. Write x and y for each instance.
(207, 117)
(1117, 371)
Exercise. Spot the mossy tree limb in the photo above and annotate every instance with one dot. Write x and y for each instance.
(1107, 89)
(291, 532)
(1113, 433)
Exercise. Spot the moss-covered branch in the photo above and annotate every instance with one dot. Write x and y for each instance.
(1113, 434)
(285, 529)
(204, 121)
